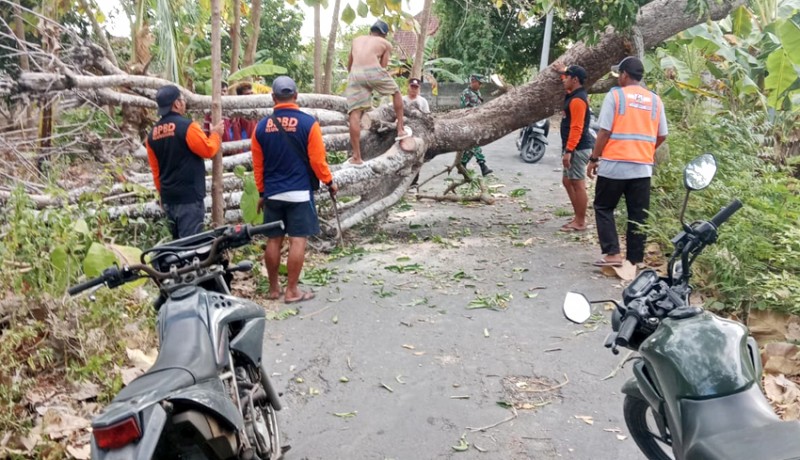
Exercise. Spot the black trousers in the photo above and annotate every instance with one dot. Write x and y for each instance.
(185, 219)
(637, 199)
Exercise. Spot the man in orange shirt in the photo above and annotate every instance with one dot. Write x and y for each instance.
(632, 126)
(176, 148)
(289, 162)
(576, 144)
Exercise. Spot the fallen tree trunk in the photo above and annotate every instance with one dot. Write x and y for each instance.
(387, 171)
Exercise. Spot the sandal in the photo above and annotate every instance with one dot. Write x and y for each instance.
(606, 263)
(304, 296)
(404, 136)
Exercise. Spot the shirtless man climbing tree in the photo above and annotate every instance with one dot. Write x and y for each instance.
(367, 63)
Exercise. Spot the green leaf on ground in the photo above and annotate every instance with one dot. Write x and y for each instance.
(463, 444)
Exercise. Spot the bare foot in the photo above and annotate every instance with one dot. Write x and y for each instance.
(274, 295)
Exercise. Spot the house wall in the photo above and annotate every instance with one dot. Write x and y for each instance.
(449, 95)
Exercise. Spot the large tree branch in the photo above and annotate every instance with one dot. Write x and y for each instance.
(543, 96)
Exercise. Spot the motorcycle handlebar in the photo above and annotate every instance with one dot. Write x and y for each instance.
(263, 229)
(726, 213)
(626, 330)
(86, 285)
(220, 243)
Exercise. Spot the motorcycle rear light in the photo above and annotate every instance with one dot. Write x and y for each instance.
(118, 435)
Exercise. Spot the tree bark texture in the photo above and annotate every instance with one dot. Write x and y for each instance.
(317, 48)
(329, 54)
(236, 36)
(252, 40)
(419, 57)
(217, 206)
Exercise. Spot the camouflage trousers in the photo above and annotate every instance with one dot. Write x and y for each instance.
(469, 153)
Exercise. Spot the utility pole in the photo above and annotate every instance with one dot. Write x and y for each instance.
(548, 31)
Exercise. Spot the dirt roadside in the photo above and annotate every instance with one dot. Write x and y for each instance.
(389, 362)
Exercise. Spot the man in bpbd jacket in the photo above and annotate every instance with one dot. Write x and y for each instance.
(176, 149)
(289, 162)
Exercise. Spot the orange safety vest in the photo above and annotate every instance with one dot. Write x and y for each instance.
(635, 127)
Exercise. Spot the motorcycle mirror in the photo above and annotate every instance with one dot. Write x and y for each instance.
(697, 175)
(576, 307)
(699, 172)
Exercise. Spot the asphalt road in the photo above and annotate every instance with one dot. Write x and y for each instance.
(421, 368)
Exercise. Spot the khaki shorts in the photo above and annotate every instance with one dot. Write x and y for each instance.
(362, 82)
(577, 165)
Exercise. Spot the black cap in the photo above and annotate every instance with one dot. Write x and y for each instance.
(630, 65)
(413, 82)
(576, 71)
(284, 86)
(380, 27)
(165, 96)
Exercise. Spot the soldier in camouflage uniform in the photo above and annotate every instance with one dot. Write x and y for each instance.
(471, 97)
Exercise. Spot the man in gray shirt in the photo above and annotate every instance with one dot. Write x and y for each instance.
(632, 126)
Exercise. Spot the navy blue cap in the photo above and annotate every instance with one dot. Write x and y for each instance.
(165, 96)
(380, 27)
(284, 86)
(413, 82)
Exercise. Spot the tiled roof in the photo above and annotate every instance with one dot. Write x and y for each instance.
(405, 41)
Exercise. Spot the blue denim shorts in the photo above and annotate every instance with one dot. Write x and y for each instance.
(299, 219)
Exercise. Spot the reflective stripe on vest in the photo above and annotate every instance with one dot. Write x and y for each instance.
(635, 127)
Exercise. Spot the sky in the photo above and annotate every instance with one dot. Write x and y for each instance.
(117, 22)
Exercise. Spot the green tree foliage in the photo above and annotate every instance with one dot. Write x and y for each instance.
(739, 67)
(280, 40)
(492, 40)
(756, 262)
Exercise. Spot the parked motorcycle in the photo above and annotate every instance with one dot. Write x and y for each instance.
(695, 393)
(208, 395)
(532, 141)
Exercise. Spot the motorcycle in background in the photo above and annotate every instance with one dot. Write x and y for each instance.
(695, 392)
(208, 396)
(532, 141)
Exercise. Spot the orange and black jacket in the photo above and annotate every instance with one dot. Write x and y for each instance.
(575, 123)
(277, 167)
(176, 148)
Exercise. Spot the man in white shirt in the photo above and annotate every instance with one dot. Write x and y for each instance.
(413, 97)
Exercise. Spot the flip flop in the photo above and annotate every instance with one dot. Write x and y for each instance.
(271, 297)
(568, 229)
(604, 263)
(305, 296)
(404, 136)
(354, 164)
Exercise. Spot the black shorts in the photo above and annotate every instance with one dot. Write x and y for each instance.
(299, 219)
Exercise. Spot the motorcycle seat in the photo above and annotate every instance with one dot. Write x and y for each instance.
(186, 356)
(776, 441)
(741, 426)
